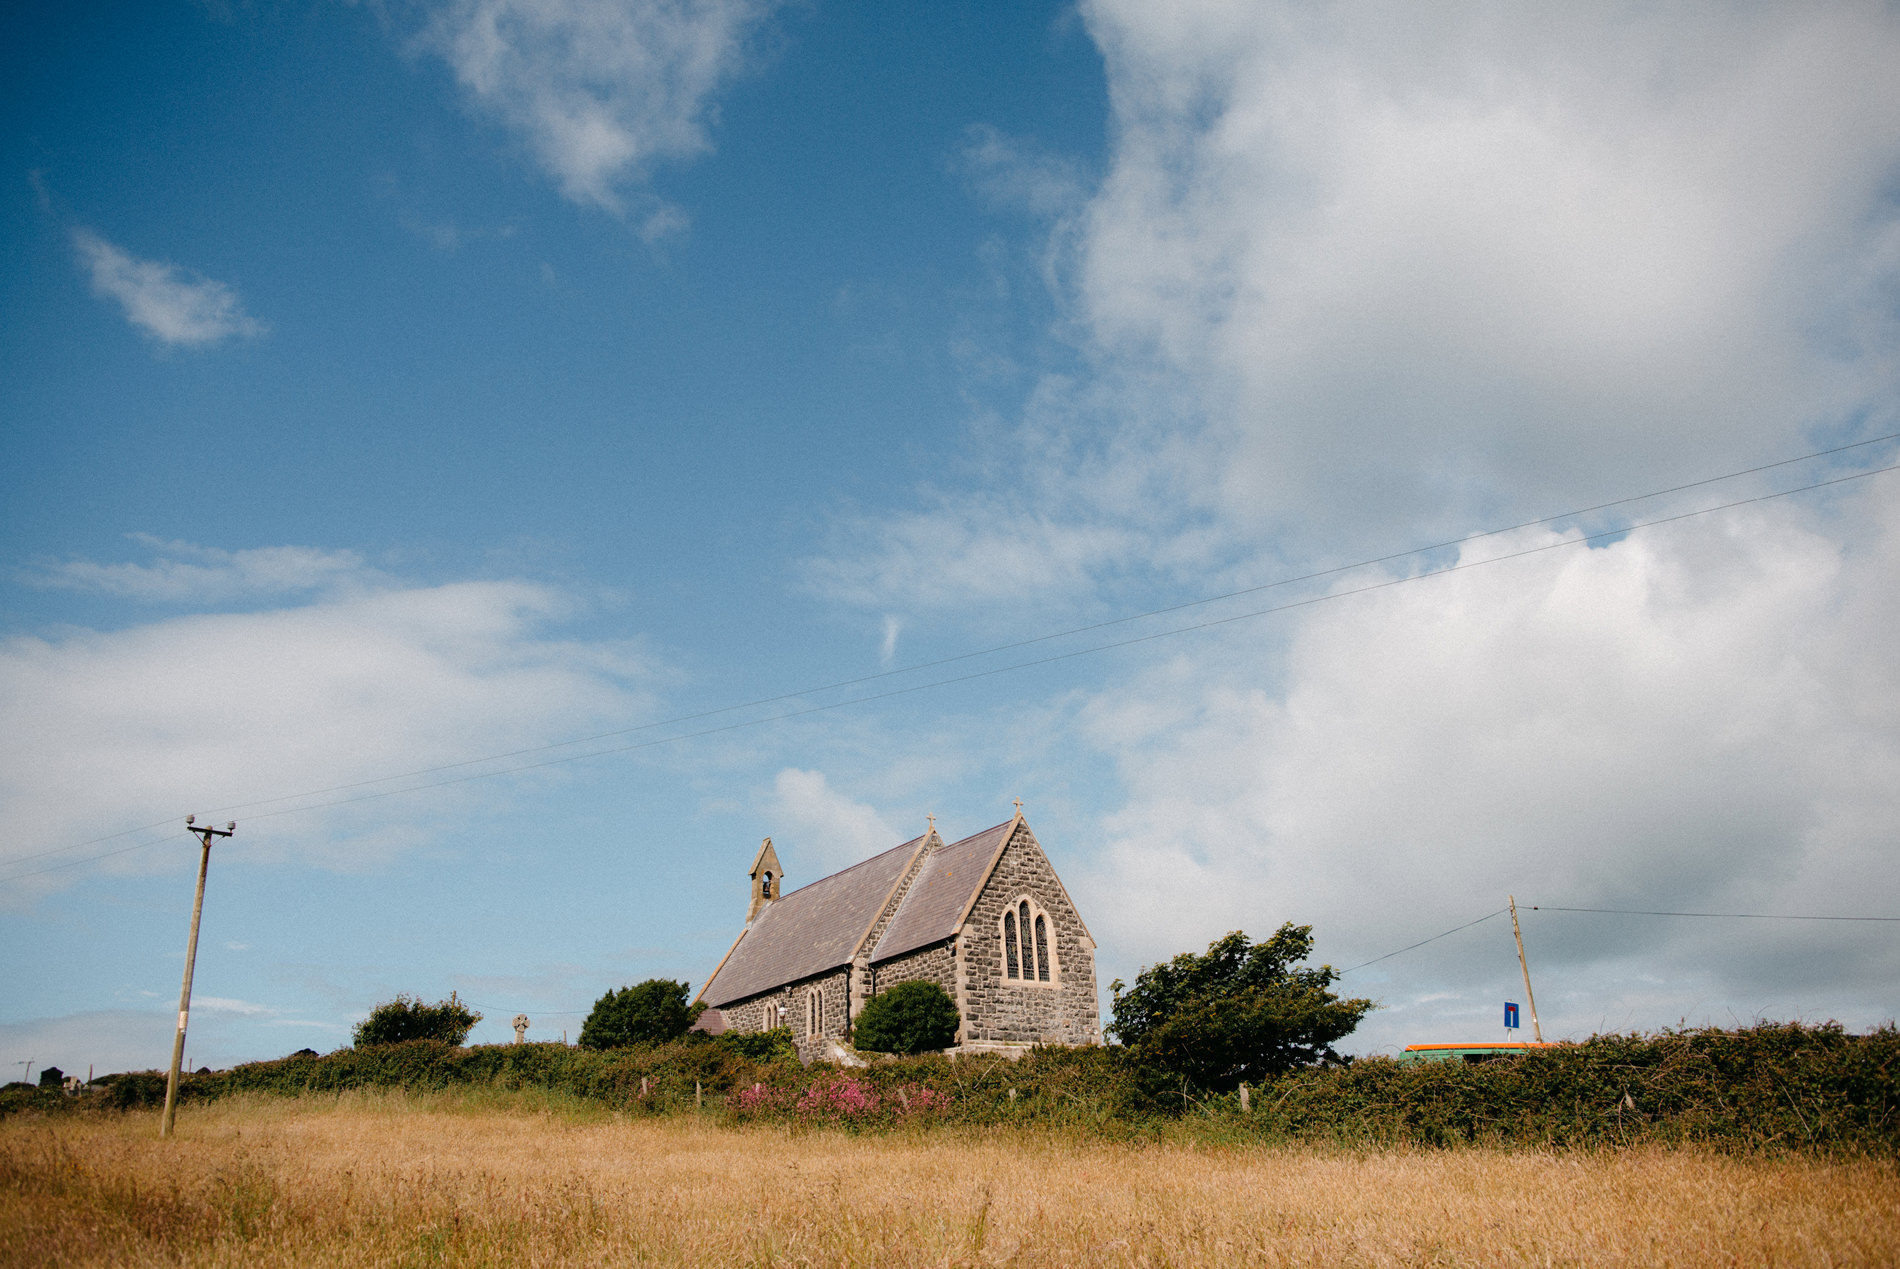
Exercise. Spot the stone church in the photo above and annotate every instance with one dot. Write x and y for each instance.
(986, 918)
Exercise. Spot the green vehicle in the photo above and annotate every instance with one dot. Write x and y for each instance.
(1468, 1052)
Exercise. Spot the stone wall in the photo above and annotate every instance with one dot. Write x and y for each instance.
(749, 1014)
(935, 962)
(1001, 1010)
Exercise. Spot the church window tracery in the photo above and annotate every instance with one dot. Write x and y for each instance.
(1028, 956)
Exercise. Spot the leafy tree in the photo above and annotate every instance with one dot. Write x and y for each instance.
(912, 1017)
(1243, 1011)
(655, 1010)
(407, 1018)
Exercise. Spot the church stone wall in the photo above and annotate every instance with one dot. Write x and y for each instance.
(749, 1014)
(935, 963)
(1006, 1011)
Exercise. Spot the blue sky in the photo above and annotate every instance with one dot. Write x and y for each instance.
(386, 387)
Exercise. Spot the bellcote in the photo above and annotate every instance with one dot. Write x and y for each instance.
(767, 879)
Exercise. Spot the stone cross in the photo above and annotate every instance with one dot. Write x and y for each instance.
(521, 1027)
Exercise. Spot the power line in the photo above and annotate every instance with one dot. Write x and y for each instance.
(1545, 907)
(1727, 916)
(1422, 942)
(1461, 566)
(990, 651)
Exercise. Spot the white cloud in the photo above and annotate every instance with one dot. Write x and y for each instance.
(1015, 172)
(225, 1004)
(109, 729)
(1358, 274)
(185, 572)
(1364, 275)
(1413, 265)
(598, 89)
(1703, 718)
(819, 830)
(170, 304)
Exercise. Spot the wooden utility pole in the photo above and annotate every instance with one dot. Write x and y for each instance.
(205, 834)
(1529, 996)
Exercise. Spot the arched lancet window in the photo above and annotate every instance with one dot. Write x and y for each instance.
(771, 1018)
(765, 885)
(1028, 954)
(814, 1012)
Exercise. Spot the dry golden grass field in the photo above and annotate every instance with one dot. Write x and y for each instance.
(518, 1180)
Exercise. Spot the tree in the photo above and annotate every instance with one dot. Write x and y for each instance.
(1242, 1012)
(407, 1018)
(912, 1017)
(655, 1010)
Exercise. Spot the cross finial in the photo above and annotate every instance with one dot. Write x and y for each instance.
(932, 819)
(1019, 806)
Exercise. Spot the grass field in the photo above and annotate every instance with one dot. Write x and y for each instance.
(477, 1179)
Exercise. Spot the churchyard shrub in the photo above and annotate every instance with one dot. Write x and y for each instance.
(912, 1017)
(762, 1046)
(650, 1012)
(407, 1018)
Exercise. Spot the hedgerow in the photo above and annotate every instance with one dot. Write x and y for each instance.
(1774, 1086)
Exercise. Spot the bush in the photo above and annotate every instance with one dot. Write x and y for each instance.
(760, 1046)
(651, 1012)
(1243, 1012)
(913, 1017)
(407, 1018)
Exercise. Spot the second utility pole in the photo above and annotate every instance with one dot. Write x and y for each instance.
(191, 959)
(1521, 963)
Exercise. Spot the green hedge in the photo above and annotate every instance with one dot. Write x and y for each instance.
(1772, 1086)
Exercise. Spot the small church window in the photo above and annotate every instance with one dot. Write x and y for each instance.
(1042, 950)
(814, 1012)
(1010, 969)
(771, 1017)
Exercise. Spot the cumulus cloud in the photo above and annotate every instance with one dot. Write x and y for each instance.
(172, 305)
(1412, 265)
(819, 830)
(1702, 718)
(1359, 276)
(106, 730)
(1358, 273)
(598, 89)
(187, 572)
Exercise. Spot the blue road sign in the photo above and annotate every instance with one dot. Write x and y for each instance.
(1510, 1015)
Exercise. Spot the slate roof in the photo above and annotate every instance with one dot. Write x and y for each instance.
(934, 905)
(811, 929)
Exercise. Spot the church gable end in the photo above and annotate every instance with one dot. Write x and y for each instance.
(1026, 960)
(985, 917)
